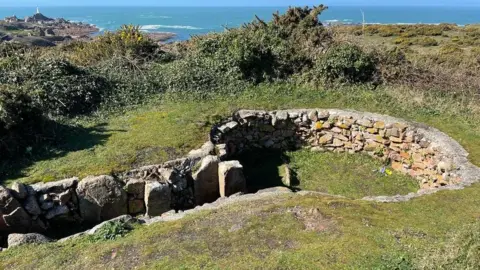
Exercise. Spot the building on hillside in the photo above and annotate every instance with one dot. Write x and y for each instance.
(38, 18)
(11, 19)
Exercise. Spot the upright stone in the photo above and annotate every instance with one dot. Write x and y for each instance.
(136, 188)
(19, 191)
(206, 181)
(158, 197)
(101, 198)
(231, 178)
(8, 204)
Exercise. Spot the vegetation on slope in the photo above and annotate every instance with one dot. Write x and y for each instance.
(142, 103)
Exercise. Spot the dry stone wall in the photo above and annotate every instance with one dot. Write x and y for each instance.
(211, 172)
(436, 160)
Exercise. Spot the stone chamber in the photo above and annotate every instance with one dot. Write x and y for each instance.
(63, 208)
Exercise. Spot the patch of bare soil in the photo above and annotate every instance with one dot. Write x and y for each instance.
(313, 219)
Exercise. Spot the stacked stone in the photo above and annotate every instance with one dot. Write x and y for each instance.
(406, 148)
(207, 174)
(33, 208)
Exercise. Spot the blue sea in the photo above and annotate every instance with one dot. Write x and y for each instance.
(187, 21)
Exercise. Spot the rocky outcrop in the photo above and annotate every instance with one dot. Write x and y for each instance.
(101, 198)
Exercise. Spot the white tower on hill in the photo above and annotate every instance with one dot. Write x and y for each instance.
(38, 10)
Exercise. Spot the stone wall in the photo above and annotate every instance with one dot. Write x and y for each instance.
(436, 160)
(208, 173)
(150, 191)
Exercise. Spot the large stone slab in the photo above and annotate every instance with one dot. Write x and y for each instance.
(18, 220)
(101, 198)
(16, 239)
(231, 178)
(206, 181)
(55, 187)
(158, 198)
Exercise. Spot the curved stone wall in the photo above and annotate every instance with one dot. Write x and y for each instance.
(425, 153)
(208, 173)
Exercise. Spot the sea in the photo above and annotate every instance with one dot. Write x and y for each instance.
(188, 21)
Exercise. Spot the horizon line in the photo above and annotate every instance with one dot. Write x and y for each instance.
(253, 6)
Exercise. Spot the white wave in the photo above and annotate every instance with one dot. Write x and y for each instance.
(155, 17)
(159, 26)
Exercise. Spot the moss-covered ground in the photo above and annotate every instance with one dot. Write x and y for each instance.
(282, 233)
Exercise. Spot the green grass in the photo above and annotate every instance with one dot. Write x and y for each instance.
(351, 234)
(354, 176)
(273, 234)
(165, 130)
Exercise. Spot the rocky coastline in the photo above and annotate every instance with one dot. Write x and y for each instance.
(41, 31)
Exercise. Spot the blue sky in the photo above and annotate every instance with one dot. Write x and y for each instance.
(232, 2)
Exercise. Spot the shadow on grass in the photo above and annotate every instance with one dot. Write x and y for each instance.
(57, 141)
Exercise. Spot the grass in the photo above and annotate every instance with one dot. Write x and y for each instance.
(354, 176)
(269, 234)
(168, 129)
(280, 233)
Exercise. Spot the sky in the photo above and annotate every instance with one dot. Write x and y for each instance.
(232, 2)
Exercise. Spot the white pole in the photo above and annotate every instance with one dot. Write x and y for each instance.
(363, 22)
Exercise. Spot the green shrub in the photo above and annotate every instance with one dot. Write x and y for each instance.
(58, 87)
(260, 51)
(112, 230)
(199, 74)
(21, 121)
(347, 63)
(128, 42)
(427, 42)
(450, 49)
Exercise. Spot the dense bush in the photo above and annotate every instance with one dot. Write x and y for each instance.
(199, 74)
(261, 51)
(57, 86)
(128, 42)
(347, 63)
(21, 121)
(427, 42)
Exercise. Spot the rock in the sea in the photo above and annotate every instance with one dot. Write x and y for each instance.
(206, 181)
(101, 198)
(157, 198)
(19, 191)
(16, 239)
(231, 178)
